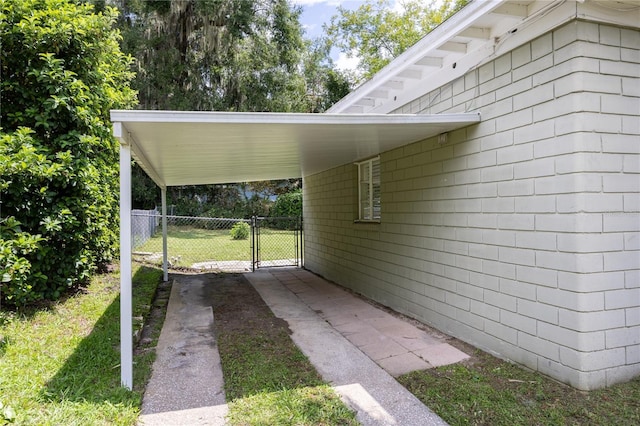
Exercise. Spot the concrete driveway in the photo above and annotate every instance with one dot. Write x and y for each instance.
(354, 345)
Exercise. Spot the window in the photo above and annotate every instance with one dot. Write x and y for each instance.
(369, 189)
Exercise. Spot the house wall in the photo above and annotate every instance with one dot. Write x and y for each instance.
(520, 235)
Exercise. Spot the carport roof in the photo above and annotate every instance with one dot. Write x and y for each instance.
(191, 148)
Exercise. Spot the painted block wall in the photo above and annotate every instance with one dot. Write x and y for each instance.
(520, 235)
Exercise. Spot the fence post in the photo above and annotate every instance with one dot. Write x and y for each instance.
(253, 243)
(299, 237)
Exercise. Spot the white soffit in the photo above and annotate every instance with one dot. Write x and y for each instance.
(480, 32)
(192, 148)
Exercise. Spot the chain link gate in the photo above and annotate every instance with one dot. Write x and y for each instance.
(205, 243)
(277, 241)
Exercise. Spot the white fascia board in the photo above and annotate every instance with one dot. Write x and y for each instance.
(140, 116)
(542, 17)
(121, 133)
(440, 35)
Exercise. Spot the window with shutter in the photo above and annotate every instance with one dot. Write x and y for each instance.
(369, 189)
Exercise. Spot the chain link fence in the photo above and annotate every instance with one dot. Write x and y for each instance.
(144, 224)
(278, 241)
(203, 243)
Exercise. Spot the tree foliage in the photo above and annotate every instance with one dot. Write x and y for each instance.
(62, 71)
(224, 55)
(376, 33)
(217, 55)
(241, 200)
(288, 205)
(326, 85)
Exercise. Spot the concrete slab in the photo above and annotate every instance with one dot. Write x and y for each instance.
(203, 416)
(353, 327)
(391, 324)
(367, 337)
(298, 287)
(368, 313)
(403, 364)
(338, 320)
(334, 308)
(186, 385)
(442, 354)
(414, 344)
(365, 324)
(374, 394)
(382, 349)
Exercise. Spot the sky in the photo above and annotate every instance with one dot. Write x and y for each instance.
(315, 13)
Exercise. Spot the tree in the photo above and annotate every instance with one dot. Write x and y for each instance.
(326, 85)
(144, 191)
(288, 205)
(375, 33)
(62, 71)
(223, 55)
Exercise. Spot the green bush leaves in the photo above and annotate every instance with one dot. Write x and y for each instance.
(62, 72)
(288, 204)
(240, 231)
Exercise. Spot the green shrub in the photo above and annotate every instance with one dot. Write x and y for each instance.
(288, 205)
(240, 231)
(62, 72)
(15, 267)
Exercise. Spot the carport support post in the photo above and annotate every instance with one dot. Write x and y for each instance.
(165, 271)
(126, 310)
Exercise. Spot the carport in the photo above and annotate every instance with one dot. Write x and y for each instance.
(198, 148)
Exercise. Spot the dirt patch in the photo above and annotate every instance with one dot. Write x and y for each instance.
(238, 308)
(147, 339)
(255, 346)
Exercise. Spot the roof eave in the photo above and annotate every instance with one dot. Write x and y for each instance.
(477, 34)
(460, 20)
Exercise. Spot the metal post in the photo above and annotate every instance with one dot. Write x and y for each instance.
(165, 268)
(301, 222)
(126, 304)
(253, 243)
(295, 239)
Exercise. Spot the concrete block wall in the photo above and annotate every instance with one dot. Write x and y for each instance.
(521, 234)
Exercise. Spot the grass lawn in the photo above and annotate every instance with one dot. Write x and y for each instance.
(187, 245)
(489, 391)
(60, 363)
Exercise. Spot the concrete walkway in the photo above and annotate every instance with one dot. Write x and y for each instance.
(394, 344)
(186, 385)
(355, 346)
